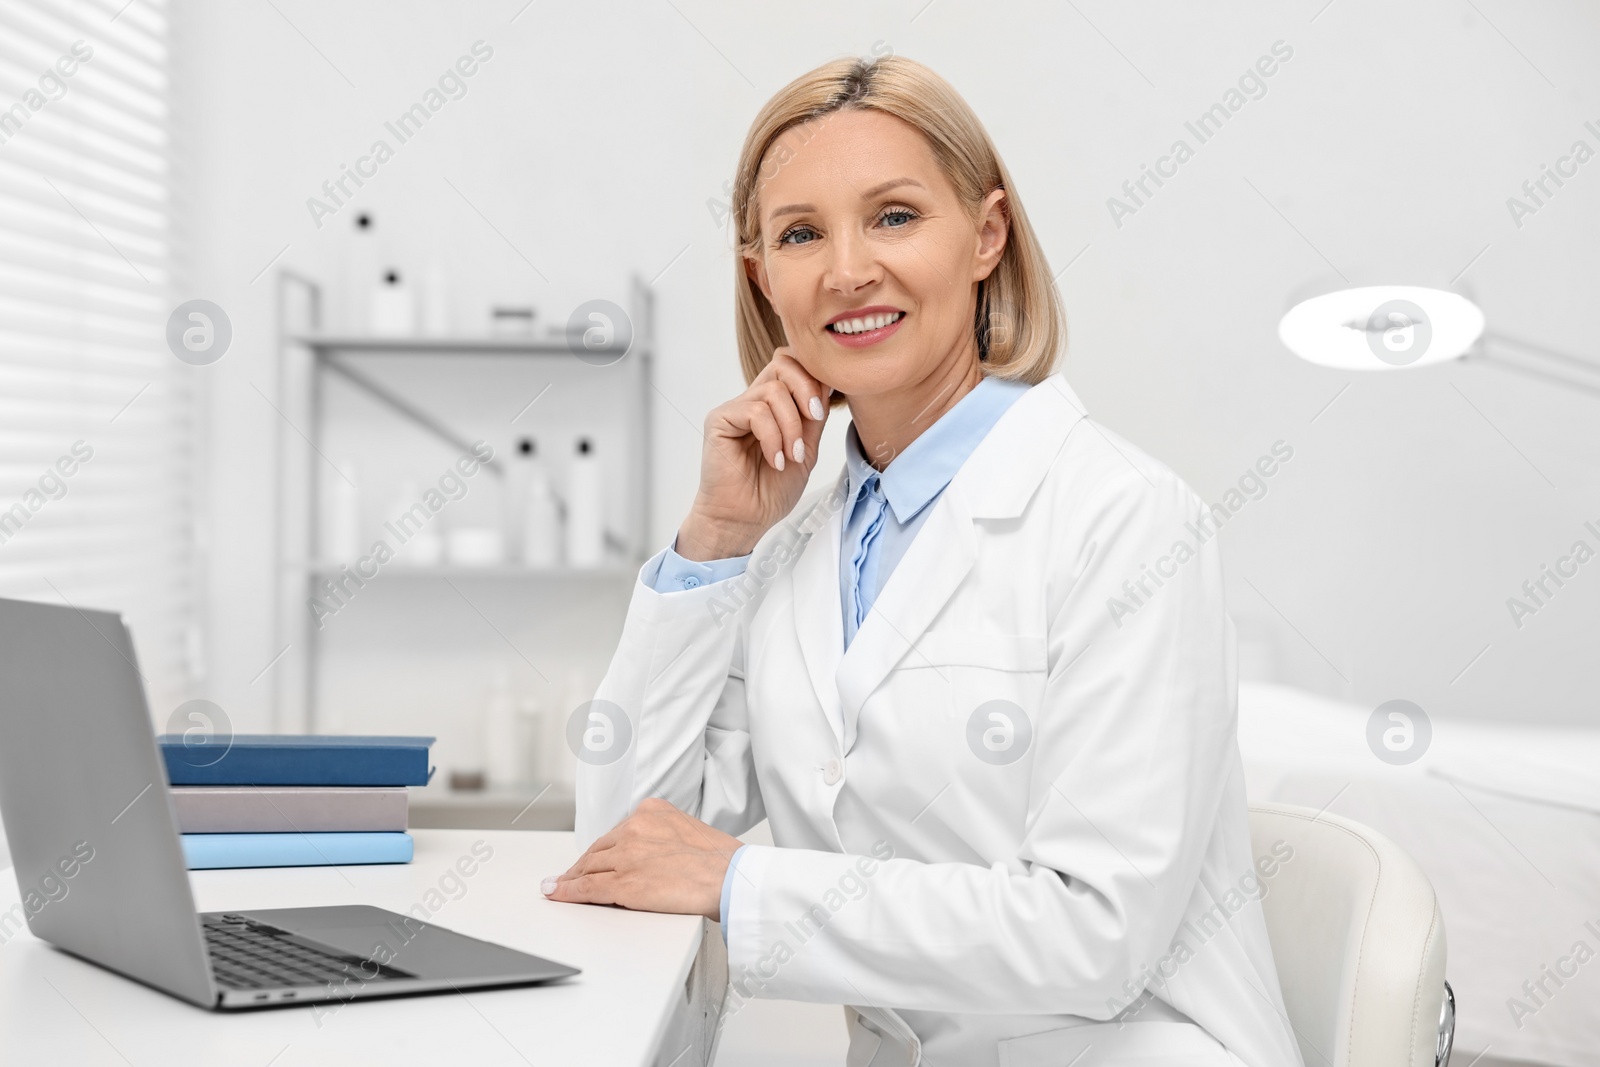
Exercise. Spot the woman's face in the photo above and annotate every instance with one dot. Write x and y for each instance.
(867, 253)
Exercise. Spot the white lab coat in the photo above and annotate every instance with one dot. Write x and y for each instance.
(972, 911)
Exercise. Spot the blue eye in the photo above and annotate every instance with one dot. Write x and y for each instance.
(905, 217)
(798, 235)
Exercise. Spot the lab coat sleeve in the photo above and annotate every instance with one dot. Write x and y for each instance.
(1135, 740)
(675, 687)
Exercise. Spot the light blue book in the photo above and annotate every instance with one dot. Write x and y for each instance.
(207, 851)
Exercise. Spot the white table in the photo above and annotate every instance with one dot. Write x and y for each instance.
(636, 1001)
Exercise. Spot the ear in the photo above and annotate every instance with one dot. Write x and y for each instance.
(994, 228)
(756, 270)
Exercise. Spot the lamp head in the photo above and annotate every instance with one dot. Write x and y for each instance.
(1382, 327)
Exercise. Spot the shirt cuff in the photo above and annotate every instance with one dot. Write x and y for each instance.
(727, 890)
(673, 573)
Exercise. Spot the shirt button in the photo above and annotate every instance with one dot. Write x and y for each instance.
(690, 582)
(832, 772)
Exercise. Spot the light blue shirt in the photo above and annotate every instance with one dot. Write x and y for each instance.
(883, 512)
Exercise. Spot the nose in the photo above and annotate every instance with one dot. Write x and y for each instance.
(852, 266)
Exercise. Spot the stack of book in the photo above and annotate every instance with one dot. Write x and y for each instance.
(285, 800)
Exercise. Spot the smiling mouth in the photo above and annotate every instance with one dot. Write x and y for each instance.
(865, 323)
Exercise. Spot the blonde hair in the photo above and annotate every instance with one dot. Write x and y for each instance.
(1019, 324)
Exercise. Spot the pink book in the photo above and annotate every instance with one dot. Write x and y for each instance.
(273, 809)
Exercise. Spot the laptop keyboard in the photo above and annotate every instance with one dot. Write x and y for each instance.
(252, 955)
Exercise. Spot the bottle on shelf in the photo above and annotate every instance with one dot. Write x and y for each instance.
(513, 493)
(536, 509)
(504, 756)
(361, 274)
(394, 311)
(551, 751)
(531, 715)
(585, 529)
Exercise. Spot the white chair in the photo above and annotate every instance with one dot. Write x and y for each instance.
(1358, 940)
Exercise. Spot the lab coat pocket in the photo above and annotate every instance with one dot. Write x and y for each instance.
(995, 683)
(968, 703)
(1147, 1044)
(962, 680)
(977, 648)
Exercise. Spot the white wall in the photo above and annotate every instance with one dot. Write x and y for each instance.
(596, 135)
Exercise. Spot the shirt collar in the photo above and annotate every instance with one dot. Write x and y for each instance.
(920, 473)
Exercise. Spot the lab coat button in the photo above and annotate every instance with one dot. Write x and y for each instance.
(832, 772)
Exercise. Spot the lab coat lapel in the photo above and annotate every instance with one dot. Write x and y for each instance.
(996, 482)
(819, 617)
(935, 563)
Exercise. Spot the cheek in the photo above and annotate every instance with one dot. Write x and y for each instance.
(931, 271)
(795, 285)
(788, 279)
(785, 283)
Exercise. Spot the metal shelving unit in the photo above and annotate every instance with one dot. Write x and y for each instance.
(308, 358)
(489, 570)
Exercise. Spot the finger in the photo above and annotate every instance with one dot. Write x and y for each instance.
(586, 889)
(811, 433)
(606, 840)
(765, 428)
(602, 859)
(780, 399)
(810, 395)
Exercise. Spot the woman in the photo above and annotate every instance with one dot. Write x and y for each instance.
(983, 689)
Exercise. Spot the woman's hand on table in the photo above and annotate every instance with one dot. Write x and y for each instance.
(657, 859)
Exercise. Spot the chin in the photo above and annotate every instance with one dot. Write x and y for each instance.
(879, 368)
(882, 376)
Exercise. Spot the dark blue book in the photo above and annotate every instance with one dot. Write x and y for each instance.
(296, 759)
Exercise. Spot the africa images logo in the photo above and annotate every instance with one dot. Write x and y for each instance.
(205, 732)
(1399, 732)
(599, 732)
(1398, 332)
(999, 732)
(199, 332)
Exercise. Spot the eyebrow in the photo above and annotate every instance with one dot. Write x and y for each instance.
(876, 190)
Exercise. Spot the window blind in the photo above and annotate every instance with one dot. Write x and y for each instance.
(97, 415)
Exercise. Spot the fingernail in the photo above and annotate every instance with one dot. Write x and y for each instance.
(548, 886)
(817, 410)
(799, 451)
(777, 460)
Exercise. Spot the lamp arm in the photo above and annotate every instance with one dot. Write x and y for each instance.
(1538, 361)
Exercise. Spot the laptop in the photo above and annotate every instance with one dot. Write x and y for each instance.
(89, 818)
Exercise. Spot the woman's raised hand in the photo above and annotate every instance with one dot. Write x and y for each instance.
(760, 448)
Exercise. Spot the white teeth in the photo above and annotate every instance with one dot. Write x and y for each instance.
(868, 322)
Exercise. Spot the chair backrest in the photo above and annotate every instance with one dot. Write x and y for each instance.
(1357, 938)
